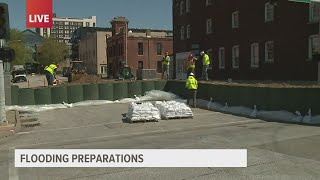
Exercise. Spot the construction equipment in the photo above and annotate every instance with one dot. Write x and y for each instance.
(125, 73)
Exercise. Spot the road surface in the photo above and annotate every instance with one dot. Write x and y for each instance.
(275, 150)
(37, 81)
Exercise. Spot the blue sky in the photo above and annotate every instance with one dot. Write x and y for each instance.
(155, 14)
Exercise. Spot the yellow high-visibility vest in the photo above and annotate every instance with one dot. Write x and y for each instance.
(166, 60)
(206, 60)
(49, 69)
(192, 83)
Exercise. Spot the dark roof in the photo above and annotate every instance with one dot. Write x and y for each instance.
(94, 29)
(152, 30)
(28, 30)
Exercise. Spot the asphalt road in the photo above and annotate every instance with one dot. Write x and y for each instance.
(37, 81)
(275, 150)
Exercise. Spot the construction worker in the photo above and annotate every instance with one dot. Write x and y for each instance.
(166, 65)
(50, 73)
(191, 64)
(192, 86)
(205, 63)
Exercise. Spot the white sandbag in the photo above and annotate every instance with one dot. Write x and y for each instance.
(142, 112)
(284, 116)
(173, 109)
(156, 95)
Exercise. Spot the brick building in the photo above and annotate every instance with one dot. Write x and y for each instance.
(251, 39)
(139, 48)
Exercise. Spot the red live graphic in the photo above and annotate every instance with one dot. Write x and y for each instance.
(39, 14)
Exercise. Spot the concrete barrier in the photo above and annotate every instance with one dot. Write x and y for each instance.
(26, 97)
(106, 91)
(91, 92)
(120, 90)
(134, 88)
(42, 96)
(75, 93)
(59, 95)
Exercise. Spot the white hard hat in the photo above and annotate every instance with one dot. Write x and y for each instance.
(202, 52)
(191, 74)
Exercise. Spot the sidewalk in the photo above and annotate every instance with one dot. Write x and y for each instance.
(10, 127)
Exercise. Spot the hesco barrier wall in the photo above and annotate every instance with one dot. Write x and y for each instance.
(106, 91)
(91, 92)
(147, 86)
(75, 93)
(134, 88)
(42, 96)
(120, 90)
(290, 99)
(26, 97)
(59, 95)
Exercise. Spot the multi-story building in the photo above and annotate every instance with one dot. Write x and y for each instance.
(136, 48)
(63, 28)
(93, 51)
(250, 39)
(79, 34)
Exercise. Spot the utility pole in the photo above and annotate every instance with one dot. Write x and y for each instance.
(3, 117)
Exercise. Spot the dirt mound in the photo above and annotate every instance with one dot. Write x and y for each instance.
(83, 78)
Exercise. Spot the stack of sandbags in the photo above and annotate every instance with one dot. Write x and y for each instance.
(173, 109)
(143, 112)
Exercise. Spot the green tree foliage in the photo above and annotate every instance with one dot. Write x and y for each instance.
(23, 53)
(51, 52)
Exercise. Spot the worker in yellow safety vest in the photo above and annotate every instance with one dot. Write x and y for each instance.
(50, 72)
(205, 63)
(192, 87)
(191, 64)
(166, 65)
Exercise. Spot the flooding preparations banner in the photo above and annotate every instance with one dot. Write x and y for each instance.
(130, 158)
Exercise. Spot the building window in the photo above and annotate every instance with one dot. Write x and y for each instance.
(94, 24)
(235, 57)
(222, 58)
(314, 46)
(140, 48)
(181, 7)
(159, 49)
(208, 2)
(255, 55)
(187, 5)
(314, 11)
(66, 23)
(209, 26)
(188, 31)
(268, 12)
(87, 24)
(235, 19)
(140, 64)
(159, 66)
(182, 33)
(269, 51)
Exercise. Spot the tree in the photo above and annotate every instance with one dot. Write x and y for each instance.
(23, 53)
(51, 52)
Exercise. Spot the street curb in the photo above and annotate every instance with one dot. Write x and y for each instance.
(18, 123)
(15, 127)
